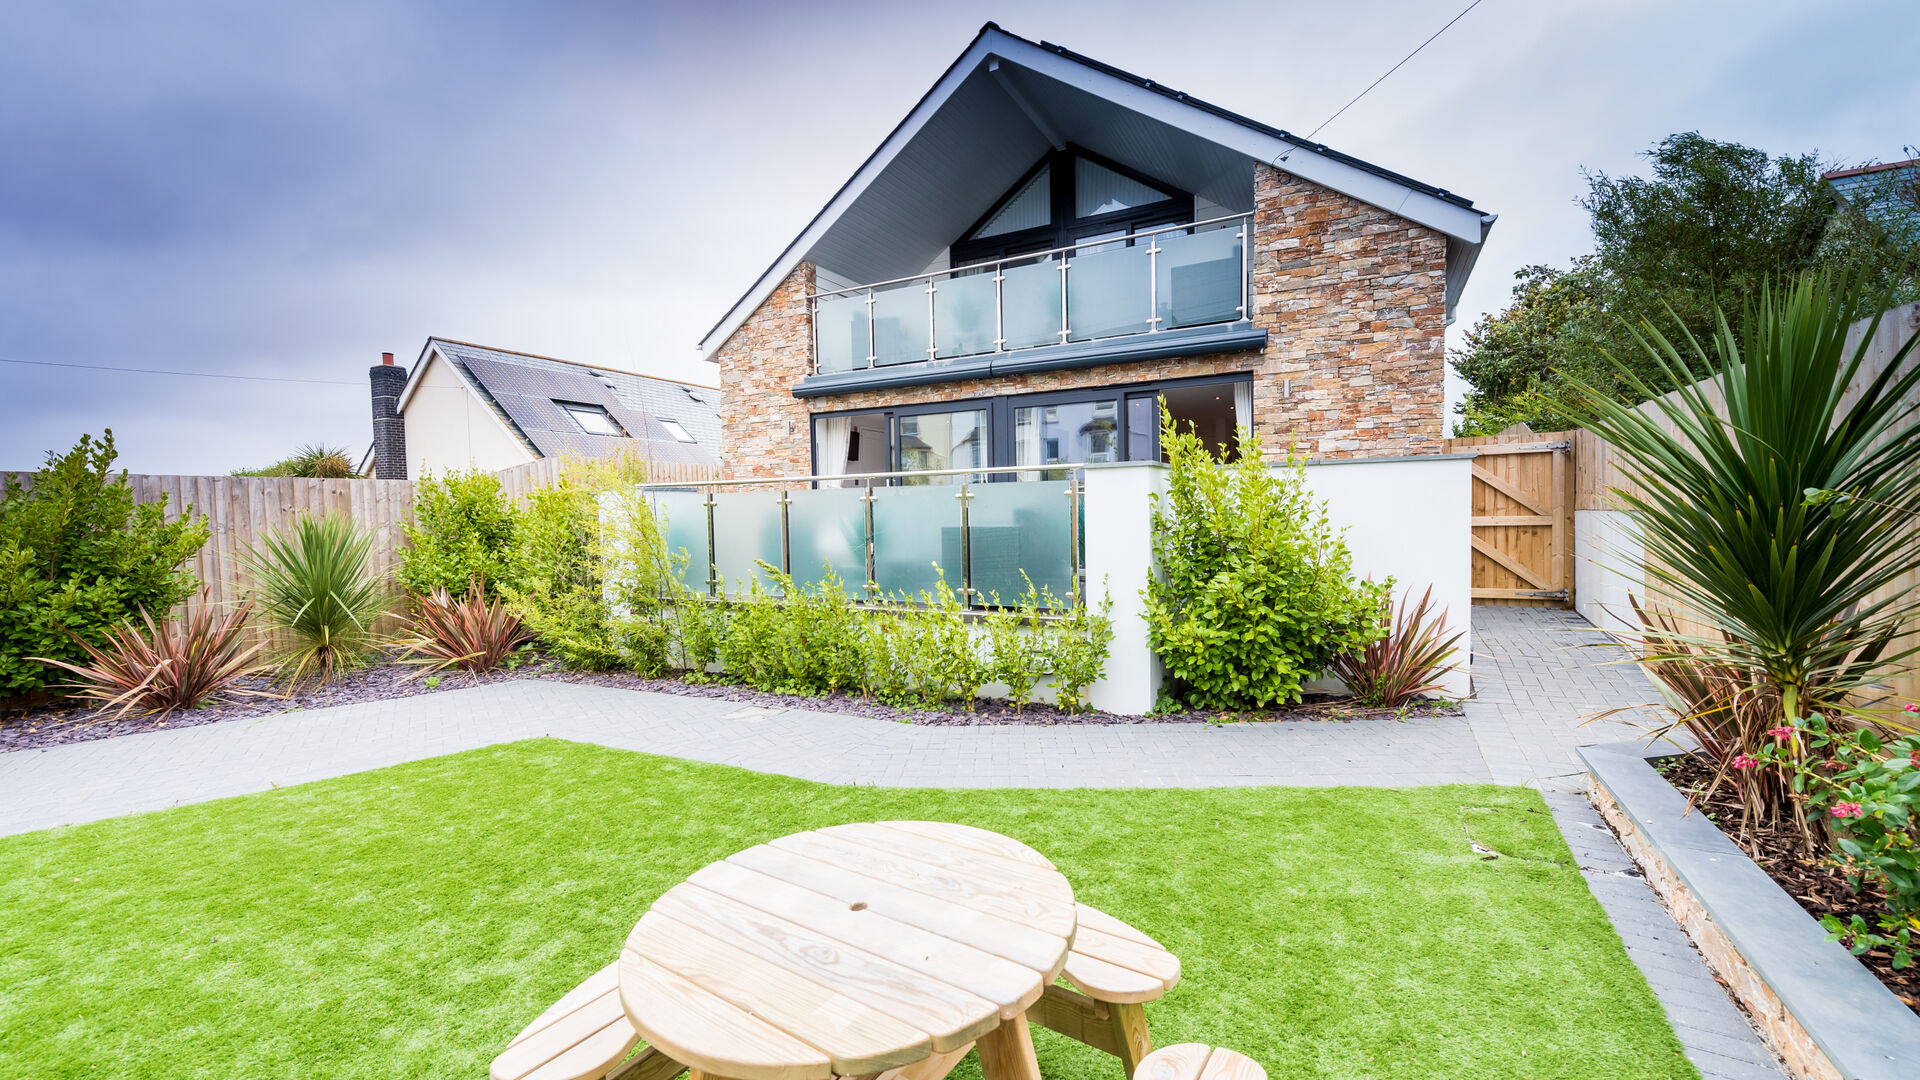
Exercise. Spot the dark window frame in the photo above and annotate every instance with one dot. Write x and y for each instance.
(1063, 228)
(999, 409)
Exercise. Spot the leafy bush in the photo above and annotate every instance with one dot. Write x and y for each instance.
(1864, 791)
(317, 591)
(166, 666)
(1256, 592)
(462, 531)
(78, 557)
(1076, 642)
(1406, 660)
(590, 576)
(471, 632)
(1782, 583)
(313, 461)
(1016, 653)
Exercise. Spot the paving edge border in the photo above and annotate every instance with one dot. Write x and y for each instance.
(1815, 1005)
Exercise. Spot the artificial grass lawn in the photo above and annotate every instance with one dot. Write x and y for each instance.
(406, 922)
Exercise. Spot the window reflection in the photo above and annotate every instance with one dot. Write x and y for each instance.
(935, 441)
(1070, 433)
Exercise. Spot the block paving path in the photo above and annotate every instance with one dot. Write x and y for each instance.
(1538, 674)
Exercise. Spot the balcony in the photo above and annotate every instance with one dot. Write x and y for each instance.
(968, 320)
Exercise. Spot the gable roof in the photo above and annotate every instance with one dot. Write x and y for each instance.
(521, 389)
(1007, 100)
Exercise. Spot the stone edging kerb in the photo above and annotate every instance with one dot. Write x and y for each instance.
(1817, 1006)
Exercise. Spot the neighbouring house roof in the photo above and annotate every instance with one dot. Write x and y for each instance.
(1005, 102)
(523, 391)
(1887, 194)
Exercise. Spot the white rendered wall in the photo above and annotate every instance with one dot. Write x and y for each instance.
(1408, 518)
(449, 429)
(1411, 519)
(1604, 546)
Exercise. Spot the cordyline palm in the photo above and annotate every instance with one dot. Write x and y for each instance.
(1784, 583)
(318, 591)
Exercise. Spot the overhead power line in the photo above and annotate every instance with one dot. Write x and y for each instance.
(185, 374)
(1394, 68)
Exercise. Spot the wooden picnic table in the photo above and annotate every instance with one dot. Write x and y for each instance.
(852, 951)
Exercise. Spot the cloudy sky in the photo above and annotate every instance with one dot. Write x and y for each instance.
(282, 192)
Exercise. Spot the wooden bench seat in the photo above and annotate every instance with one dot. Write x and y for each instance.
(1198, 1061)
(1116, 970)
(584, 1036)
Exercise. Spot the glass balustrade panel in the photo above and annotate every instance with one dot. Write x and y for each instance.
(746, 528)
(915, 529)
(1199, 278)
(963, 314)
(900, 323)
(686, 534)
(827, 535)
(1019, 533)
(1030, 302)
(1107, 292)
(840, 332)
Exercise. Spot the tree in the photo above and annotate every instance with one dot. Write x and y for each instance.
(1713, 224)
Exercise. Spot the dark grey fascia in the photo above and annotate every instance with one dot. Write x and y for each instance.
(1192, 341)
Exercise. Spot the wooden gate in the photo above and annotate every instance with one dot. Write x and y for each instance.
(1522, 517)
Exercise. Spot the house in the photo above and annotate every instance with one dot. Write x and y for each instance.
(1048, 246)
(467, 406)
(1887, 195)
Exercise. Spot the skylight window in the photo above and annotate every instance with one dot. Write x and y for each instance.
(593, 419)
(674, 429)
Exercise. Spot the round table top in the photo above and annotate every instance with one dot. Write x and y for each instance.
(847, 950)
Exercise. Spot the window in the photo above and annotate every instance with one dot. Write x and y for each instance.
(674, 429)
(593, 419)
(943, 440)
(1067, 195)
(1069, 433)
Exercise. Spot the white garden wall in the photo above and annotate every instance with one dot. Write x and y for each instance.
(1604, 553)
(1405, 518)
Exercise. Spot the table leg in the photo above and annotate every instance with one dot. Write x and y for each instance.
(1130, 1035)
(1006, 1052)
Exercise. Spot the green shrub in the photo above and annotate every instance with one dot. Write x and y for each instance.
(1076, 644)
(78, 557)
(313, 461)
(1014, 647)
(462, 531)
(1256, 592)
(317, 590)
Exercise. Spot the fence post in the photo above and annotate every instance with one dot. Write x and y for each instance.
(1119, 541)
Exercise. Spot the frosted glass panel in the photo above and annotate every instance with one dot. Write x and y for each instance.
(1199, 278)
(914, 528)
(840, 332)
(746, 526)
(1107, 293)
(963, 318)
(1099, 190)
(1019, 527)
(686, 520)
(828, 527)
(1030, 296)
(900, 323)
(1031, 208)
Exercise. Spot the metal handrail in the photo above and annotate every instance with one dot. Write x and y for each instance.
(682, 485)
(1023, 257)
(1063, 259)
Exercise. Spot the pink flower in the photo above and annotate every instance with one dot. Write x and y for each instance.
(1746, 761)
(1911, 706)
(1780, 732)
(1846, 810)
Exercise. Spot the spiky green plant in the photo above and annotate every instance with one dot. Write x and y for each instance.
(1782, 584)
(1409, 658)
(312, 461)
(317, 589)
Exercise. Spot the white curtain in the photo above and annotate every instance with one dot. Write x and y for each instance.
(1242, 404)
(831, 435)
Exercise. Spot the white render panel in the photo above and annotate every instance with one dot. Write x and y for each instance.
(1604, 551)
(449, 429)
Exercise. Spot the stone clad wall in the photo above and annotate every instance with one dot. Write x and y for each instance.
(1353, 299)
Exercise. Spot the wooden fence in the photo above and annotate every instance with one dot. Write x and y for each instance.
(241, 510)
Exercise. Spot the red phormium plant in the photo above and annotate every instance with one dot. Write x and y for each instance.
(468, 633)
(160, 667)
(1407, 660)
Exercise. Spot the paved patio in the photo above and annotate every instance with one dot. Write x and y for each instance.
(1538, 674)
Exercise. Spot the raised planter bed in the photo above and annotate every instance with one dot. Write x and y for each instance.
(1825, 1014)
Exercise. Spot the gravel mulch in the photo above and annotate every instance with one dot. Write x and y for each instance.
(1820, 889)
(59, 724)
